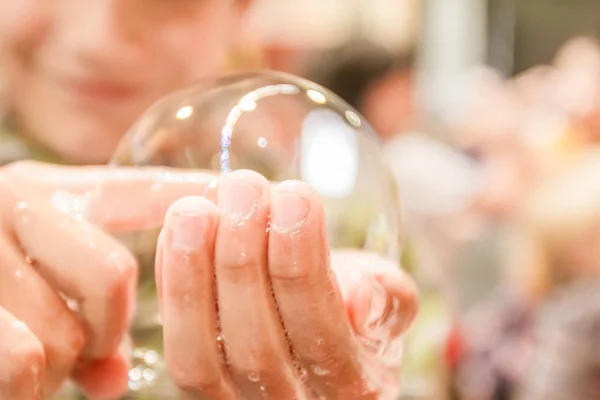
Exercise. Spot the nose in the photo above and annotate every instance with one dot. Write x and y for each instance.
(100, 34)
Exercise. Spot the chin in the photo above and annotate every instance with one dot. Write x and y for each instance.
(90, 145)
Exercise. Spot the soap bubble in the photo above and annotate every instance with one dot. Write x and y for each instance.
(278, 125)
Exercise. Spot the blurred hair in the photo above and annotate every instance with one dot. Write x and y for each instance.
(569, 203)
(559, 212)
(352, 69)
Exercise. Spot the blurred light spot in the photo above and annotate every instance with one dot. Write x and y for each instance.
(151, 357)
(329, 154)
(316, 96)
(247, 104)
(353, 118)
(148, 374)
(135, 374)
(185, 112)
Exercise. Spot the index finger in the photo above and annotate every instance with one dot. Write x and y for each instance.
(116, 198)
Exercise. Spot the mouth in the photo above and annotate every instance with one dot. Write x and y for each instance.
(99, 91)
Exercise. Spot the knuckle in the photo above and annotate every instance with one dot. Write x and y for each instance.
(293, 278)
(17, 167)
(62, 353)
(26, 359)
(122, 271)
(197, 380)
(239, 267)
(20, 170)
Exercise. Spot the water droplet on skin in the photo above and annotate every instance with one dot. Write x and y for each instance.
(253, 377)
(302, 373)
(262, 142)
(236, 223)
(220, 338)
(72, 304)
(319, 371)
(263, 388)
(20, 326)
(320, 342)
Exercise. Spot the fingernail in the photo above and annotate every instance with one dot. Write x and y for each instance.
(288, 211)
(187, 230)
(238, 199)
(212, 190)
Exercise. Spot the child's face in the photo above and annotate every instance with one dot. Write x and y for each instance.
(79, 72)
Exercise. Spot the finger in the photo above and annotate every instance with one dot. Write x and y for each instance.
(30, 299)
(114, 194)
(376, 286)
(256, 350)
(116, 204)
(306, 291)
(192, 350)
(108, 378)
(158, 268)
(22, 360)
(87, 266)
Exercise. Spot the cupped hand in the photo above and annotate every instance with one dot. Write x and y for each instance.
(67, 288)
(254, 306)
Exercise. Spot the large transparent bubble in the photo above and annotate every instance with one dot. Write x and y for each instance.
(283, 127)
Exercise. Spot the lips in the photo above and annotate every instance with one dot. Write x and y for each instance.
(100, 91)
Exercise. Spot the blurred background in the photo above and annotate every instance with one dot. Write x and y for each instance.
(489, 114)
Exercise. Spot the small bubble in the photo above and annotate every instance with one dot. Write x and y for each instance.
(253, 377)
(219, 338)
(263, 388)
(262, 142)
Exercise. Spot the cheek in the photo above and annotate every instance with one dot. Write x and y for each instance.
(196, 48)
(21, 22)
